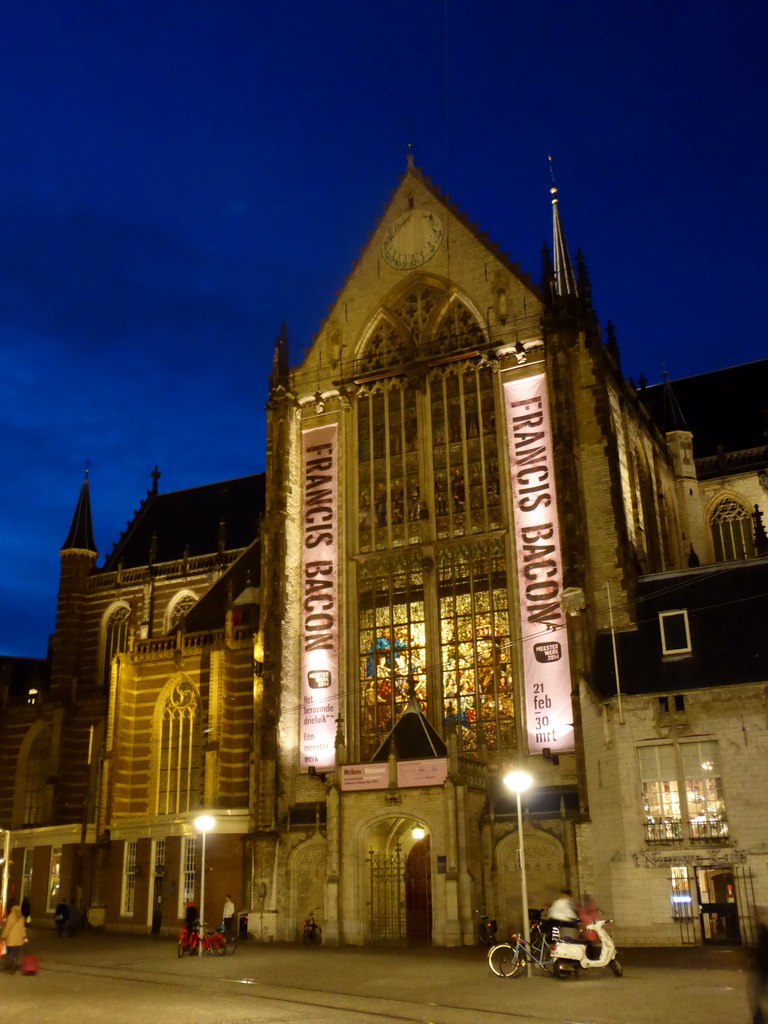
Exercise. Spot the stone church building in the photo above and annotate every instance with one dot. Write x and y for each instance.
(476, 546)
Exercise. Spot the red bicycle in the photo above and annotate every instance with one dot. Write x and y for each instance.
(195, 940)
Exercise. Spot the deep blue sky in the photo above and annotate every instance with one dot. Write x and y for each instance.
(179, 176)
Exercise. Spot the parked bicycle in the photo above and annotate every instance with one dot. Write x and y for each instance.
(508, 959)
(312, 933)
(195, 939)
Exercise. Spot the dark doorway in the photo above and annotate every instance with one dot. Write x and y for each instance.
(157, 904)
(718, 907)
(418, 893)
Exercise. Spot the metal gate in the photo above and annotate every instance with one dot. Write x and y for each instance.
(400, 894)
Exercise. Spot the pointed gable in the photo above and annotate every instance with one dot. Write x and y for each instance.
(80, 536)
(411, 737)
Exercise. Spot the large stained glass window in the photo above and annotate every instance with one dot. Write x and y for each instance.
(390, 502)
(464, 451)
(391, 643)
(475, 646)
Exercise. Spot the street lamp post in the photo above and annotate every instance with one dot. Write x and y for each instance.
(6, 869)
(204, 823)
(518, 782)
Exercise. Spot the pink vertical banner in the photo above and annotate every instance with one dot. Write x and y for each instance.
(546, 665)
(319, 597)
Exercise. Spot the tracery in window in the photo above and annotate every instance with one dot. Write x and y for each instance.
(115, 638)
(457, 331)
(392, 645)
(416, 308)
(390, 501)
(36, 777)
(385, 347)
(179, 609)
(474, 643)
(731, 526)
(180, 751)
(465, 457)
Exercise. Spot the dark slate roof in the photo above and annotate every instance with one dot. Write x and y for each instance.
(80, 534)
(189, 520)
(210, 611)
(411, 737)
(725, 407)
(726, 605)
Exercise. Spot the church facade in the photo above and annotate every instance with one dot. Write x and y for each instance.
(464, 503)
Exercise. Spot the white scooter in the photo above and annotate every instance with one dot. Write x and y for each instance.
(571, 954)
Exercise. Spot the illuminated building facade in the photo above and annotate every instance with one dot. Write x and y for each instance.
(464, 503)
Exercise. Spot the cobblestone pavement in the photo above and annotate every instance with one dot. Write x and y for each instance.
(140, 980)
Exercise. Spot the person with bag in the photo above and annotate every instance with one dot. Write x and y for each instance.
(14, 934)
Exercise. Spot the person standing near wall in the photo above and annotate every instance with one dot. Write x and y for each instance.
(228, 918)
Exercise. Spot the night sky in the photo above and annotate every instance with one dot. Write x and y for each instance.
(177, 177)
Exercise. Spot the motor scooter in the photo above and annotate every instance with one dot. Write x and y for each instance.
(571, 954)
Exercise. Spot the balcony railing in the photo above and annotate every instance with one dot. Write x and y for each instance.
(675, 830)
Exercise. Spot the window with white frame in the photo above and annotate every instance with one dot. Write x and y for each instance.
(682, 902)
(129, 878)
(682, 791)
(187, 873)
(54, 879)
(159, 856)
(675, 632)
(180, 752)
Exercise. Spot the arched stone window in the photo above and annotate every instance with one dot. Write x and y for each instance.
(731, 526)
(115, 634)
(35, 778)
(178, 608)
(180, 751)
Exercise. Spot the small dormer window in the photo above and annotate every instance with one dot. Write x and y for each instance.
(675, 632)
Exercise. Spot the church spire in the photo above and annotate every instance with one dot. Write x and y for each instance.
(80, 536)
(565, 280)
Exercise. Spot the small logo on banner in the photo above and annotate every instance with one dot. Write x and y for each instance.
(547, 652)
(319, 679)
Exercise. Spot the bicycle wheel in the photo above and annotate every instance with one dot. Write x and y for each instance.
(230, 948)
(506, 961)
(181, 949)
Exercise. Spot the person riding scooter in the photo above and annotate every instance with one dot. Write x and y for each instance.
(564, 916)
(571, 954)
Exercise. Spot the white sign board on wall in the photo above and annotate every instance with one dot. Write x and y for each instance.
(319, 597)
(546, 666)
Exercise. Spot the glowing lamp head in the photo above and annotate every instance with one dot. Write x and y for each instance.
(518, 781)
(204, 823)
(418, 832)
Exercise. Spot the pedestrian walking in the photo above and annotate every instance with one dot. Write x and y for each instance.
(564, 916)
(61, 917)
(14, 934)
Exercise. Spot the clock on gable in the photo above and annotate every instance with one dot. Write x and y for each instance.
(413, 239)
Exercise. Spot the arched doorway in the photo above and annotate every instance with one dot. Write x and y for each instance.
(418, 893)
(399, 883)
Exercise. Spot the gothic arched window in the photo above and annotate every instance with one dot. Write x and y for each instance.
(115, 638)
(179, 609)
(731, 526)
(35, 777)
(180, 751)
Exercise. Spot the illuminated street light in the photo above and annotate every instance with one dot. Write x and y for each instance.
(518, 782)
(203, 824)
(418, 832)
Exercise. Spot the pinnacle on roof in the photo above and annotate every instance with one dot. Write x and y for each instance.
(565, 280)
(672, 414)
(80, 536)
